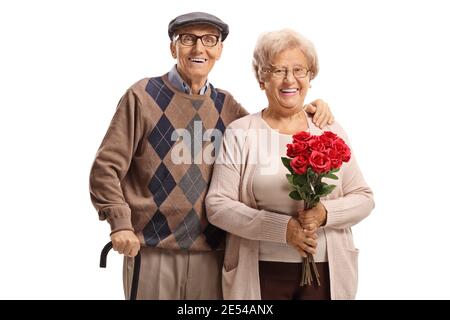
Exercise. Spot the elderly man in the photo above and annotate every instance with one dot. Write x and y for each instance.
(151, 173)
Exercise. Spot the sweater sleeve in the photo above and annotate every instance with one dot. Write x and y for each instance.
(357, 201)
(238, 110)
(112, 162)
(223, 205)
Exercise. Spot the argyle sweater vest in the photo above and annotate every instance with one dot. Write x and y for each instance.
(153, 168)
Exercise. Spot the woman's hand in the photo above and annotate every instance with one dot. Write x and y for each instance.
(313, 218)
(126, 242)
(321, 111)
(302, 240)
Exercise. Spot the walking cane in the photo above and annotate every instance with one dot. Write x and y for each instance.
(136, 269)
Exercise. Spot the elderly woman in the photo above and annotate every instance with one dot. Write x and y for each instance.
(269, 235)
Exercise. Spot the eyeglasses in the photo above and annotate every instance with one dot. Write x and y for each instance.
(189, 39)
(281, 73)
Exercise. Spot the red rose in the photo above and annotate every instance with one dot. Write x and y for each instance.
(341, 147)
(325, 140)
(296, 149)
(320, 163)
(330, 135)
(335, 158)
(301, 136)
(316, 145)
(299, 164)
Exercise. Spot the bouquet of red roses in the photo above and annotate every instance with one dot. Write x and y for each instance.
(311, 158)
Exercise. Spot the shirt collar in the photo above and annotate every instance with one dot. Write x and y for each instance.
(178, 82)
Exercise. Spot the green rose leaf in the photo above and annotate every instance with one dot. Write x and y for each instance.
(290, 178)
(302, 192)
(325, 190)
(300, 180)
(331, 176)
(295, 195)
(312, 176)
(287, 163)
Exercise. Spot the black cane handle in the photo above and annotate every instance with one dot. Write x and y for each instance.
(136, 270)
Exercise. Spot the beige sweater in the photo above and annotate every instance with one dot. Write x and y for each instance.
(231, 205)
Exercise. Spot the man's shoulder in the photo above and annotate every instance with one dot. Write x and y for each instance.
(225, 92)
(232, 105)
(140, 85)
(147, 86)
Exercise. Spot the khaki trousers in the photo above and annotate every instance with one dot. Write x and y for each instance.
(176, 275)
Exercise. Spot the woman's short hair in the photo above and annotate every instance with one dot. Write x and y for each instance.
(272, 43)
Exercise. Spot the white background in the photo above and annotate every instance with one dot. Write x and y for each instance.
(65, 64)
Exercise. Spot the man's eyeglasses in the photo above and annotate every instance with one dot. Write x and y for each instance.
(188, 39)
(281, 73)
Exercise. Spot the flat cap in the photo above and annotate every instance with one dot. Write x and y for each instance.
(198, 18)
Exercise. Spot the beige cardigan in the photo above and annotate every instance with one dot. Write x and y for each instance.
(231, 205)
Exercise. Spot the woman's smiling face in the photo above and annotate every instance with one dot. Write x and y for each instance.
(283, 89)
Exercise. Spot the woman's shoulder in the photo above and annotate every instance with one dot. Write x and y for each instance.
(245, 122)
(336, 128)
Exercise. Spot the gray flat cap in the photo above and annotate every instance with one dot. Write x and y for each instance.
(198, 18)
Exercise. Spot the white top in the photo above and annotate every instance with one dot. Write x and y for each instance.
(271, 190)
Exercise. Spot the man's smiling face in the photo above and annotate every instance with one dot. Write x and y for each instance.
(194, 63)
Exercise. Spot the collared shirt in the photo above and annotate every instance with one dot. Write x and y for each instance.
(178, 82)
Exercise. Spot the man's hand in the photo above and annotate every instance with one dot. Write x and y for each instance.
(321, 111)
(125, 242)
(313, 218)
(304, 241)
